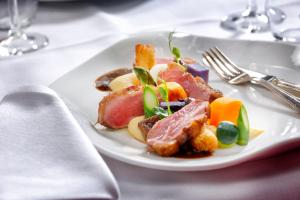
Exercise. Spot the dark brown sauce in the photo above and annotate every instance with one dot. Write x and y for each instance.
(193, 154)
(186, 154)
(186, 151)
(103, 81)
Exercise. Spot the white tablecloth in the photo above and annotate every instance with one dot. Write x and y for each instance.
(78, 30)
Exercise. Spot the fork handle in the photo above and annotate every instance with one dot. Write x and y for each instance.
(290, 99)
(290, 87)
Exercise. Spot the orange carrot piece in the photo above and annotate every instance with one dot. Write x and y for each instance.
(224, 109)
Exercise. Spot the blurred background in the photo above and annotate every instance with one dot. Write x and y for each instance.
(72, 22)
(64, 23)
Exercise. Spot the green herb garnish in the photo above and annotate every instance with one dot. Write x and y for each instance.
(162, 113)
(144, 76)
(174, 50)
(164, 92)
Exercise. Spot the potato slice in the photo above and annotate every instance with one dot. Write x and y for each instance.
(123, 81)
(134, 130)
(156, 69)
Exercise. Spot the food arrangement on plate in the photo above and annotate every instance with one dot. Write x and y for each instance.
(168, 104)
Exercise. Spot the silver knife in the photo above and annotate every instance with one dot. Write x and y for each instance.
(288, 86)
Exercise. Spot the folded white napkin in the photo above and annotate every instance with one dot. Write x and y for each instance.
(44, 154)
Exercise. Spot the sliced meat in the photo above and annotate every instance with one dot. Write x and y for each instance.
(165, 60)
(168, 134)
(147, 124)
(195, 87)
(118, 108)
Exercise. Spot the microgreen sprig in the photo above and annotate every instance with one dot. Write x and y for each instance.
(174, 50)
(143, 76)
(164, 92)
(160, 112)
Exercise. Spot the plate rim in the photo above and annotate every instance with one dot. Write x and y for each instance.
(250, 156)
(88, 127)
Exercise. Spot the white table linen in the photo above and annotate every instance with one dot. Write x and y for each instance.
(79, 30)
(44, 152)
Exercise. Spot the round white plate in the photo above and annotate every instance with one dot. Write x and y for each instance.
(280, 124)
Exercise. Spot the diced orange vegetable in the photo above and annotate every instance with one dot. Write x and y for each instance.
(176, 91)
(144, 55)
(224, 109)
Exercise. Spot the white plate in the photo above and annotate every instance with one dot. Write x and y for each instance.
(281, 125)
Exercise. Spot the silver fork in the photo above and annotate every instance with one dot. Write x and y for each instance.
(229, 72)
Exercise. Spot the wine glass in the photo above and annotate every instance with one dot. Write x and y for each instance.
(248, 20)
(27, 12)
(275, 14)
(18, 42)
(289, 30)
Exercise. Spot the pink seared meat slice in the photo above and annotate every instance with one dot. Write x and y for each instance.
(118, 108)
(168, 134)
(165, 60)
(195, 87)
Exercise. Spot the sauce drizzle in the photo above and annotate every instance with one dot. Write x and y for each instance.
(103, 81)
(193, 154)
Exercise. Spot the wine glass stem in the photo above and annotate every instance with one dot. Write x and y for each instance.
(252, 7)
(15, 25)
(252, 4)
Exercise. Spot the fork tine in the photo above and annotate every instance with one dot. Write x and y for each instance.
(238, 76)
(231, 66)
(223, 62)
(220, 64)
(210, 62)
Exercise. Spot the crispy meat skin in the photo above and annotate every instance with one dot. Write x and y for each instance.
(118, 108)
(168, 134)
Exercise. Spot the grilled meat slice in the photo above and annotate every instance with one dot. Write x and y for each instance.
(195, 87)
(118, 108)
(168, 134)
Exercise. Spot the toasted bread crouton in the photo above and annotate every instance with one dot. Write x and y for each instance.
(144, 55)
(206, 140)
